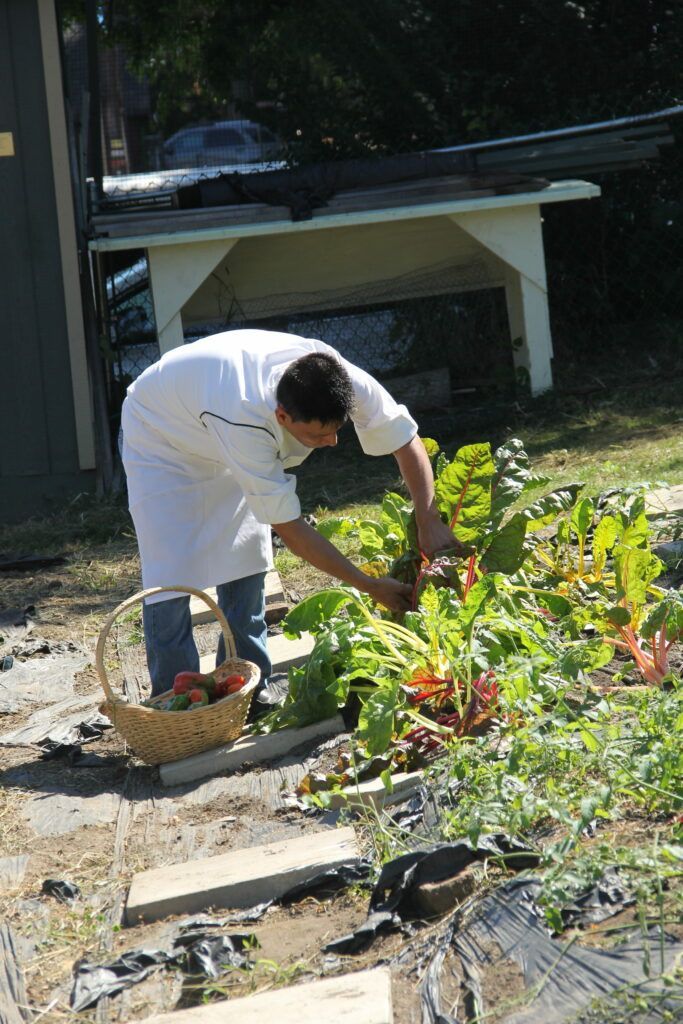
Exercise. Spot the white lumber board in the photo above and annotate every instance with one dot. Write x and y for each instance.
(665, 499)
(373, 793)
(283, 652)
(360, 998)
(246, 750)
(241, 878)
(201, 612)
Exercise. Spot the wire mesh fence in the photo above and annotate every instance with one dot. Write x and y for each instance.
(615, 279)
(614, 264)
(145, 158)
(615, 273)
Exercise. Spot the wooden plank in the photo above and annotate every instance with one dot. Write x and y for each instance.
(360, 998)
(374, 793)
(202, 613)
(283, 653)
(246, 750)
(350, 201)
(664, 499)
(235, 880)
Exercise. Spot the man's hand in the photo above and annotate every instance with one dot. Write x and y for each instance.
(390, 593)
(307, 543)
(433, 535)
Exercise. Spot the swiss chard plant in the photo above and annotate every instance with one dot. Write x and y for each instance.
(558, 583)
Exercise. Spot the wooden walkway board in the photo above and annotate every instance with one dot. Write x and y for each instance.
(246, 750)
(666, 499)
(202, 613)
(239, 878)
(374, 793)
(283, 653)
(361, 998)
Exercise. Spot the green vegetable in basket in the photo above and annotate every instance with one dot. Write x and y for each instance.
(180, 702)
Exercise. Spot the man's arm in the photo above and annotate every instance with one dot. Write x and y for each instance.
(416, 469)
(310, 545)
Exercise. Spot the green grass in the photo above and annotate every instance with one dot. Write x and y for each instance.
(620, 438)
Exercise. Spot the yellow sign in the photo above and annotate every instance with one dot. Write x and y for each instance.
(6, 144)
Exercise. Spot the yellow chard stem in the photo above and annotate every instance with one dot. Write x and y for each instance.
(380, 632)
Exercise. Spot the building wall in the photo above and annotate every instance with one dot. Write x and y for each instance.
(41, 341)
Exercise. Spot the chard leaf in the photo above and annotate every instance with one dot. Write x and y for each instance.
(397, 523)
(463, 491)
(440, 465)
(316, 690)
(475, 602)
(635, 570)
(512, 476)
(376, 719)
(431, 446)
(543, 511)
(604, 538)
(556, 604)
(582, 517)
(395, 514)
(506, 553)
(374, 568)
(316, 610)
(372, 538)
(584, 656)
(564, 533)
(636, 533)
(668, 611)
(336, 527)
(618, 615)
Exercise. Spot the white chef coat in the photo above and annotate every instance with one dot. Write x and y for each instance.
(205, 457)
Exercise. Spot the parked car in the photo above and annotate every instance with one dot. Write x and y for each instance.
(223, 142)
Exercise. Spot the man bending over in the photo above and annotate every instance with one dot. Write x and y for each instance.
(208, 434)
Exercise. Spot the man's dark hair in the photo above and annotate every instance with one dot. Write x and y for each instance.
(316, 387)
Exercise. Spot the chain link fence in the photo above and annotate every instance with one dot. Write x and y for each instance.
(615, 274)
(614, 264)
(615, 280)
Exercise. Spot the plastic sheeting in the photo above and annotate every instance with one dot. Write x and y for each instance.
(197, 946)
(195, 952)
(12, 988)
(392, 897)
(41, 680)
(72, 720)
(560, 978)
(606, 898)
(304, 189)
(65, 892)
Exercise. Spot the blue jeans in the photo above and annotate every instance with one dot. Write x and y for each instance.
(168, 631)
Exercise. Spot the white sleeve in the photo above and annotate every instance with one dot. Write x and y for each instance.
(251, 455)
(383, 426)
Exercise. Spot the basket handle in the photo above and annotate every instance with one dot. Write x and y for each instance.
(229, 639)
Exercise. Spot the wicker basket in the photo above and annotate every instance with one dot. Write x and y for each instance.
(161, 736)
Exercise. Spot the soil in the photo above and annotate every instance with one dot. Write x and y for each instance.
(97, 823)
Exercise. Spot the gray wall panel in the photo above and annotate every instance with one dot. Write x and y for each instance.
(37, 429)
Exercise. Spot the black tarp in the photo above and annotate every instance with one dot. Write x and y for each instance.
(304, 189)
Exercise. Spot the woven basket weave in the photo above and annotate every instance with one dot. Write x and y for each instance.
(161, 736)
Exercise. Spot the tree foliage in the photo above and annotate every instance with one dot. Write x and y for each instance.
(346, 78)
